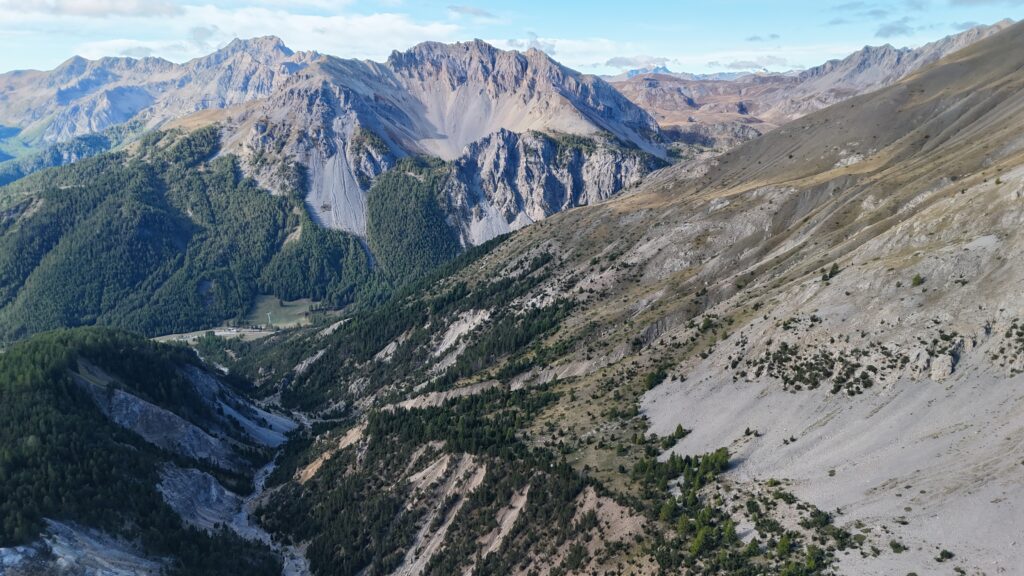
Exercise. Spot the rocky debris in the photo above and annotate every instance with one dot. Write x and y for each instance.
(162, 428)
(353, 435)
(506, 520)
(197, 497)
(456, 477)
(212, 441)
(306, 363)
(432, 399)
(70, 549)
(454, 341)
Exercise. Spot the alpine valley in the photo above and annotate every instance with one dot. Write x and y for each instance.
(469, 311)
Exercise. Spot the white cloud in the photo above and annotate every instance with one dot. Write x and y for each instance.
(463, 10)
(347, 35)
(631, 62)
(546, 45)
(584, 54)
(196, 30)
(758, 63)
(93, 8)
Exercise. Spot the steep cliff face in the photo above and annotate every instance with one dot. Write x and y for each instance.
(317, 129)
(507, 180)
(469, 90)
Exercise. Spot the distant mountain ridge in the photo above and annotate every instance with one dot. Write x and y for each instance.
(731, 110)
(665, 70)
(86, 96)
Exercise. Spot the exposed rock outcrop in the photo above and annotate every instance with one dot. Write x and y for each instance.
(507, 180)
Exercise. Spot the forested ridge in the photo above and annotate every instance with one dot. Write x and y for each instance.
(167, 235)
(65, 461)
(407, 225)
(72, 150)
(167, 238)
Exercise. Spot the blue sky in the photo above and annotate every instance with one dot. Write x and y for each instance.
(599, 36)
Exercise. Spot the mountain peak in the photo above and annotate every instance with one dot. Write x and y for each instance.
(259, 45)
(428, 51)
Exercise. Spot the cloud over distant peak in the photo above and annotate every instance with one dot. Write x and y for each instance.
(759, 63)
(532, 41)
(632, 62)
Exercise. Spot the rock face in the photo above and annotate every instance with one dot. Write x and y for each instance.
(238, 422)
(507, 180)
(72, 549)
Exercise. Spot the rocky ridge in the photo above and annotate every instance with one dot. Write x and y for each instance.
(749, 105)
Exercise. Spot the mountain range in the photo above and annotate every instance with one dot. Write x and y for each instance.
(795, 351)
(724, 111)
(347, 121)
(513, 137)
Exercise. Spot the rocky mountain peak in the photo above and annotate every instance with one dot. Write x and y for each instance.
(261, 45)
(438, 51)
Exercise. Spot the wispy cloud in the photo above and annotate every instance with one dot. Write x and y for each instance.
(901, 27)
(759, 38)
(469, 11)
(632, 62)
(197, 30)
(759, 63)
(93, 8)
(548, 46)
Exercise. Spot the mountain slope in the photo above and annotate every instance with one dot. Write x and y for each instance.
(81, 96)
(165, 238)
(348, 121)
(728, 111)
(344, 121)
(834, 303)
(104, 419)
